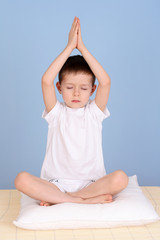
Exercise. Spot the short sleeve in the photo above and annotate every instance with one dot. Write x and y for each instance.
(49, 116)
(97, 112)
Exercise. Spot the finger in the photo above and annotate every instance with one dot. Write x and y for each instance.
(75, 20)
(73, 24)
(79, 27)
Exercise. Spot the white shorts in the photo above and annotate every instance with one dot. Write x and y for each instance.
(67, 185)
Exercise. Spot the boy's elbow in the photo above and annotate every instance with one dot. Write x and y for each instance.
(107, 80)
(107, 83)
(43, 79)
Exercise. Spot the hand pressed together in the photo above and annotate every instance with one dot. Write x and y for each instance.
(75, 38)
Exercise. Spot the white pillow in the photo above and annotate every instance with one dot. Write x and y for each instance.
(130, 207)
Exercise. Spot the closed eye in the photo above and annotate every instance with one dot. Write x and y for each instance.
(69, 87)
(81, 88)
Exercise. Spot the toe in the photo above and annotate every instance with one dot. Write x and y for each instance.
(108, 198)
(46, 204)
(41, 203)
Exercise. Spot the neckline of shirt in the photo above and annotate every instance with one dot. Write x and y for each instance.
(75, 110)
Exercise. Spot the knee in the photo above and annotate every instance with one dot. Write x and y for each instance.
(121, 179)
(20, 181)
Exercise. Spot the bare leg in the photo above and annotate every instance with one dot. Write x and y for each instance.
(40, 189)
(108, 185)
(47, 192)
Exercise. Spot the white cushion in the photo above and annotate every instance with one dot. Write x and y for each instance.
(129, 207)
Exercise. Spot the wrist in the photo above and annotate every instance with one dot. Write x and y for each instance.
(82, 49)
(69, 48)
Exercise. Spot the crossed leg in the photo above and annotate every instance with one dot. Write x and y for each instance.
(110, 184)
(48, 193)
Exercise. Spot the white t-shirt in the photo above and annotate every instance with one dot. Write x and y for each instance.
(74, 142)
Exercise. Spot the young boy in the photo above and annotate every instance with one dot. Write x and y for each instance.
(73, 168)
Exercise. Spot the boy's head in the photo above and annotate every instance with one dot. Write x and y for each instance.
(76, 82)
(76, 64)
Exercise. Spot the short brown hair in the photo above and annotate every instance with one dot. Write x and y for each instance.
(75, 64)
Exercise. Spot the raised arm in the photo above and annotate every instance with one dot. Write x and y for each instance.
(48, 77)
(103, 78)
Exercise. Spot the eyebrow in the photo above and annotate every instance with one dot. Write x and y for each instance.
(80, 84)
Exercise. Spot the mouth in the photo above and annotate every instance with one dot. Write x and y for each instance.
(76, 101)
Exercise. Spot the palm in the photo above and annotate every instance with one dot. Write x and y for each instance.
(80, 43)
(75, 38)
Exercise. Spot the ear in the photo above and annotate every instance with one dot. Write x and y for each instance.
(93, 89)
(58, 85)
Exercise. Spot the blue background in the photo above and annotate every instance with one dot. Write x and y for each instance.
(124, 37)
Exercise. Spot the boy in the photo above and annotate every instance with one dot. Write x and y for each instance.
(73, 168)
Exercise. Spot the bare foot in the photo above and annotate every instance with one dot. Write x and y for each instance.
(69, 199)
(99, 199)
(106, 198)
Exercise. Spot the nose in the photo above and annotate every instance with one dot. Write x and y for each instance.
(76, 92)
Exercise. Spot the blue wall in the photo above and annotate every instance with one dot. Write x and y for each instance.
(124, 36)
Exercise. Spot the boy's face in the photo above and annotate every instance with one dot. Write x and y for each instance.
(76, 89)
